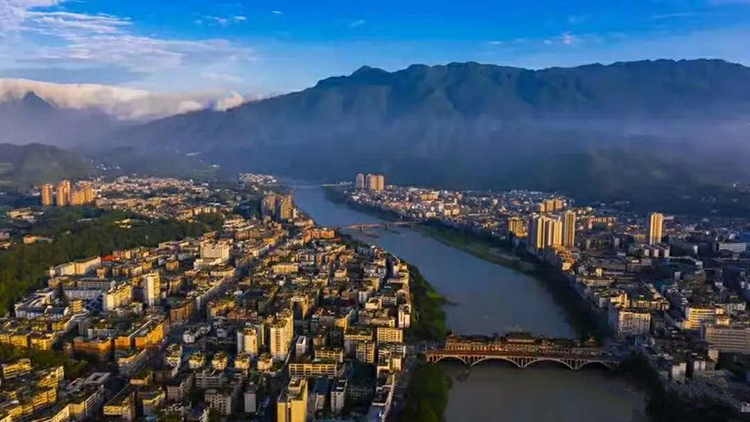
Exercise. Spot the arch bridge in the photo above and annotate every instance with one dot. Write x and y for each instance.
(385, 225)
(522, 360)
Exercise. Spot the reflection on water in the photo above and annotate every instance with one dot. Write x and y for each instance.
(492, 299)
(496, 391)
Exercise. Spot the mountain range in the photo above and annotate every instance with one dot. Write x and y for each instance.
(653, 132)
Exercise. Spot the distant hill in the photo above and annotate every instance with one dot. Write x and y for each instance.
(624, 131)
(30, 119)
(33, 164)
(85, 114)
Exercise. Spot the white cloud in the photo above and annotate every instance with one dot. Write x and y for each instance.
(565, 39)
(121, 103)
(220, 20)
(671, 16)
(230, 101)
(357, 23)
(41, 38)
(223, 77)
(509, 42)
(66, 23)
(13, 12)
(568, 38)
(217, 20)
(277, 12)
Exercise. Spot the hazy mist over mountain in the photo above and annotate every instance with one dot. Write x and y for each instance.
(623, 131)
(595, 131)
(78, 114)
(119, 103)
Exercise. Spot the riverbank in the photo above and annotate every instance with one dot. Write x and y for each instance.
(582, 318)
(578, 314)
(427, 394)
(428, 316)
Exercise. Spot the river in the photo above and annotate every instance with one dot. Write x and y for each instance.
(487, 298)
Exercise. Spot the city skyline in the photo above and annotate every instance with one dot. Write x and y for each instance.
(273, 47)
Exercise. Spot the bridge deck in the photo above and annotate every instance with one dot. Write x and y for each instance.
(523, 359)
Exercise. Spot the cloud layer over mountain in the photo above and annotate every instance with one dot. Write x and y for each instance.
(120, 103)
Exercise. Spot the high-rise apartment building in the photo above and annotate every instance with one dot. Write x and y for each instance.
(553, 232)
(569, 229)
(517, 226)
(89, 195)
(268, 205)
(151, 288)
(655, 228)
(359, 182)
(63, 193)
(291, 405)
(379, 182)
(281, 333)
(629, 322)
(285, 208)
(551, 205)
(374, 182)
(248, 342)
(47, 191)
(544, 232)
(77, 197)
(278, 207)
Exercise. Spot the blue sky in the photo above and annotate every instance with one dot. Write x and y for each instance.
(271, 46)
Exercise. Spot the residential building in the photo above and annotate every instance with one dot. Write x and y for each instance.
(569, 229)
(359, 182)
(291, 405)
(727, 338)
(47, 190)
(654, 228)
(629, 322)
(63, 193)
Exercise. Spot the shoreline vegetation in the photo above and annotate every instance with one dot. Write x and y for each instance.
(427, 394)
(428, 317)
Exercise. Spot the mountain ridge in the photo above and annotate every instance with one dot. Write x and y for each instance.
(24, 166)
(623, 131)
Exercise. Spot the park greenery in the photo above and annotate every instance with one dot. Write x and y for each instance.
(427, 394)
(81, 233)
(43, 359)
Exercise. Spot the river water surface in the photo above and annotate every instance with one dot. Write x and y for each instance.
(488, 298)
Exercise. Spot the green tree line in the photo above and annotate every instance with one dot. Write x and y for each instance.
(24, 267)
(428, 316)
(427, 394)
(43, 359)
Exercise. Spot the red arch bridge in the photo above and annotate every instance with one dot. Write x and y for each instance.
(522, 359)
